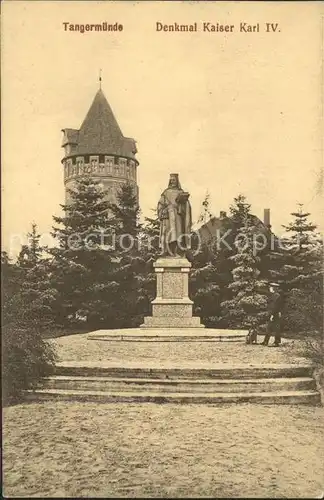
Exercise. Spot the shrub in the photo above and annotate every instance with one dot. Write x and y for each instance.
(26, 298)
(26, 357)
(303, 312)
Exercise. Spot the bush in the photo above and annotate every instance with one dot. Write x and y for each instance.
(26, 317)
(26, 357)
(313, 349)
(303, 312)
(315, 352)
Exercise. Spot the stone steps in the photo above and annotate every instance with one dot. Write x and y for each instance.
(279, 397)
(178, 333)
(119, 384)
(212, 371)
(207, 384)
(168, 338)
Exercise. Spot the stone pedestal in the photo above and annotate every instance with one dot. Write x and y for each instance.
(172, 307)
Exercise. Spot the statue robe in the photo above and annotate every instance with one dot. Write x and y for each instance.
(175, 219)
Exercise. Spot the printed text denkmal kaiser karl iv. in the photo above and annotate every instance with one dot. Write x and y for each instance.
(208, 27)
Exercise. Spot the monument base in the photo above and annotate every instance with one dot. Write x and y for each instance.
(172, 307)
(171, 322)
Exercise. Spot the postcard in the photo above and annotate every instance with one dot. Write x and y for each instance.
(162, 249)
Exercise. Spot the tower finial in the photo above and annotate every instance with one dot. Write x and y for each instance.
(100, 78)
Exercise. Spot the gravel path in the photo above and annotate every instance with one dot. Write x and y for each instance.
(78, 347)
(82, 449)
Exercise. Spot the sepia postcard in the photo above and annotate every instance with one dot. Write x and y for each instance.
(162, 249)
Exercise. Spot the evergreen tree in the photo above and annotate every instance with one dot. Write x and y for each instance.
(303, 266)
(150, 236)
(210, 273)
(247, 307)
(240, 213)
(83, 263)
(27, 299)
(31, 253)
(213, 268)
(150, 251)
(126, 213)
(205, 214)
(11, 283)
(218, 264)
(261, 236)
(297, 262)
(131, 270)
(36, 294)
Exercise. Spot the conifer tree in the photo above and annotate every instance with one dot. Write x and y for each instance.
(36, 293)
(126, 213)
(150, 251)
(297, 262)
(296, 257)
(210, 273)
(303, 267)
(150, 235)
(261, 236)
(247, 308)
(31, 253)
(82, 263)
(212, 267)
(27, 316)
(240, 212)
(205, 214)
(131, 268)
(10, 286)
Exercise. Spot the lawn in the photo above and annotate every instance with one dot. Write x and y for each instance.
(83, 449)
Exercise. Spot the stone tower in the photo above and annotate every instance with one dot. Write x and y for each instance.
(99, 149)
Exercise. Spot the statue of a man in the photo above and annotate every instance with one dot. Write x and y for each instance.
(174, 213)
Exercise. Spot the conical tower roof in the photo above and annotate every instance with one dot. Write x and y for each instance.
(100, 132)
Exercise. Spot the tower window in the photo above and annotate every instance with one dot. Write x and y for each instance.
(93, 163)
(79, 168)
(108, 164)
(132, 169)
(109, 160)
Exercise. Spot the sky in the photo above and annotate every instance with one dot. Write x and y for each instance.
(230, 112)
